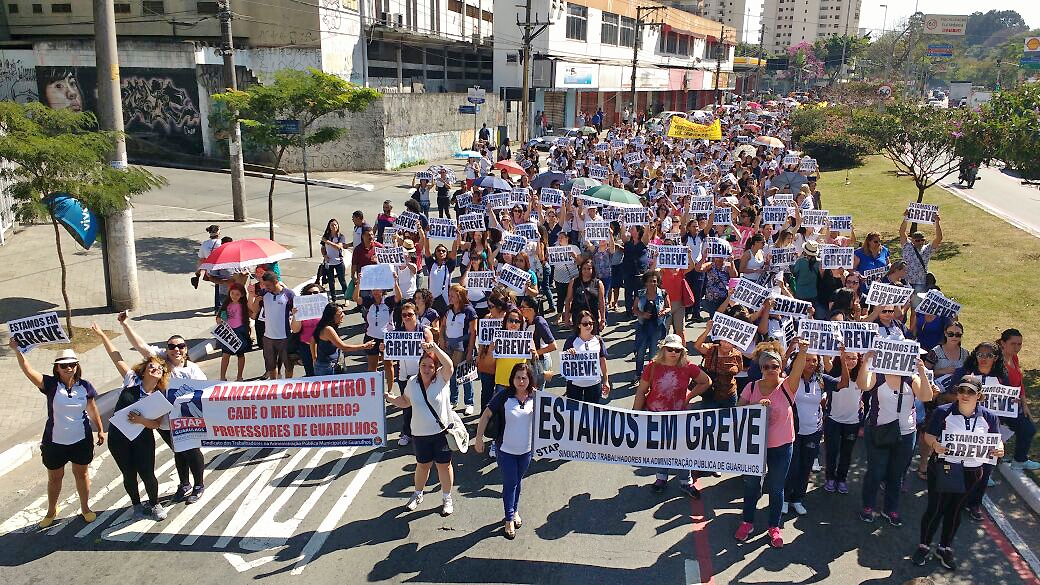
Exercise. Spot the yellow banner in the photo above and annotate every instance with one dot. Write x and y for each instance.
(680, 128)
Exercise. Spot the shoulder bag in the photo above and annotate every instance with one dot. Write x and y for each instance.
(455, 432)
(888, 434)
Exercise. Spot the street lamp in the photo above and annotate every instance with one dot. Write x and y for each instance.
(884, 21)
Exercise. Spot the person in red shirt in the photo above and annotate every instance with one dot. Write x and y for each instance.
(668, 384)
(673, 281)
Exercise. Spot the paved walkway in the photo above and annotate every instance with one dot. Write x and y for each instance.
(1003, 196)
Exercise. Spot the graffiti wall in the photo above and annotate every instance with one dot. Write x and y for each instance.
(18, 76)
(160, 106)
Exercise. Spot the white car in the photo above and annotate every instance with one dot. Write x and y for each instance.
(546, 143)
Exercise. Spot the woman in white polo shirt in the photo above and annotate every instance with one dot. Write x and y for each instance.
(66, 434)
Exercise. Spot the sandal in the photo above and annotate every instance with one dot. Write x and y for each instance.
(922, 474)
(510, 530)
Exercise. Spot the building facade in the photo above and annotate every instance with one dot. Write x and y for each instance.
(583, 61)
(731, 13)
(789, 22)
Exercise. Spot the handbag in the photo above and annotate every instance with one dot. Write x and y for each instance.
(949, 476)
(455, 432)
(493, 429)
(888, 434)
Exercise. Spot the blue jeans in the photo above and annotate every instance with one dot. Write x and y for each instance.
(778, 460)
(1024, 430)
(806, 447)
(648, 336)
(632, 286)
(306, 360)
(336, 272)
(323, 368)
(709, 306)
(696, 281)
(886, 464)
(487, 389)
(545, 286)
(467, 389)
(514, 468)
(840, 438)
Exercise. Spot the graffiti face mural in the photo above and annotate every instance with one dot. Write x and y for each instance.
(160, 106)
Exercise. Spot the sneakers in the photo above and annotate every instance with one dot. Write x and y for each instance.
(991, 483)
(816, 465)
(469, 410)
(945, 556)
(743, 531)
(975, 513)
(658, 485)
(775, 539)
(690, 490)
(1027, 465)
(182, 493)
(492, 450)
(893, 518)
(866, 514)
(403, 440)
(414, 502)
(140, 511)
(784, 508)
(799, 509)
(448, 506)
(829, 486)
(843, 488)
(921, 555)
(157, 511)
(196, 494)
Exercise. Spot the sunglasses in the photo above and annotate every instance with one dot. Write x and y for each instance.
(176, 345)
(887, 311)
(954, 334)
(985, 356)
(517, 321)
(770, 367)
(157, 368)
(969, 391)
(71, 366)
(586, 323)
(407, 314)
(672, 350)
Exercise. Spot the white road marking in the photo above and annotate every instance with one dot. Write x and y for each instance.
(241, 565)
(1012, 535)
(331, 521)
(31, 515)
(171, 528)
(952, 188)
(14, 457)
(121, 504)
(256, 497)
(693, 572)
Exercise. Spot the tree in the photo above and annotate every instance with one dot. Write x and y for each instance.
(306, 96)
(981, 26)
(831, 49)
(61, 151)
(1011, 126)
(802, 59)
(920, 140)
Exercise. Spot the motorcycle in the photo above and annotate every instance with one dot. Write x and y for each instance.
(968, 174)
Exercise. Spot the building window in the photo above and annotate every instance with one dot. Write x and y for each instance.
(628, 32)
(37, 8)
(472, 11)
(12, 9)
(455, 6)
(487, 16)
(684, 45)
(61, 8)
(672, 43)
(206, 7)
(609, 31)
(121, 8)
(577, 22)
(153, 7)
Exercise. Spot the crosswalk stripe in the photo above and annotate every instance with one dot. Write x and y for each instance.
(256, 497)
(171, 528)
(121, 504)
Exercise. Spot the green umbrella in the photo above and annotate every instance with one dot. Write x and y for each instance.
(589, 130)
(613, 195)
(581, 183)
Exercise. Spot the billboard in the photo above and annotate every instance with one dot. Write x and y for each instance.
(945, 24)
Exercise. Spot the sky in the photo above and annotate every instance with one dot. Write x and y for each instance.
(872, 15)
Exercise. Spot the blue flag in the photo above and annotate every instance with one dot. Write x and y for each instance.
(80, 221)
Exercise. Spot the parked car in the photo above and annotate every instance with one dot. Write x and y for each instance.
(545, 143)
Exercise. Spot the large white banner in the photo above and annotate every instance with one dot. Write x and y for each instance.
(728, 440)
(323, 411)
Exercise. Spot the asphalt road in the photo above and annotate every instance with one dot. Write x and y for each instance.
(1002, 195)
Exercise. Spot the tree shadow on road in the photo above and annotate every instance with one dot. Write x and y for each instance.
(169, 255)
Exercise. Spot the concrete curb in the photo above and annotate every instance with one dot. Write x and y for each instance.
(264, 175)
(1025, 487)
(14, 457)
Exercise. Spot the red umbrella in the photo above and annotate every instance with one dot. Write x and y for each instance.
(754, 105)
(753, 128)
(245, 253)
(510, 167)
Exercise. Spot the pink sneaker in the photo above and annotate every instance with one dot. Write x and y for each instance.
(775, 539)
(743, 531)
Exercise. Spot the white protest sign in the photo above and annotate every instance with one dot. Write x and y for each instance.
(702, 204)
(840, 223)
(633, 158)
(42, 329)
(498, 201)
(775, 214)
(894, 357)
(602, 146)
(377, 276)
(681, 189)
(424, 175)
(597, 231)
(527, 230)
(823, 337)
(519, 196)
(578, 191)
(718, 248)
(311, 306)
(858, 336)
(575, 366)
(514, 279)
(880, 293)
(791, 159)
(921, 212)
(512, 344)
(723, 216)
(152, 406)
(562, 141)
(969, 447)
(486, 330)
(636, 216)
(389, 232)
(749, 294)
(730, 440)
(550, 197)
(394, 255)
(482, 280)
(874, 273)
(726, 328)
(512, 243)
(471, 222)
(814, 218)
(443, 228)
(399, 345)
(782, 257)
(598, 172)
(611, 213)
(790, 307)
(561, 255)
(226, 335)
(1002, 400)
(782, 199)
(465, 372)
(407, 221)
(935, 303)
(673, 257)
(834, 257)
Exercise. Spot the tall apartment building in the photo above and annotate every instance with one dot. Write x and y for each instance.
(789, 22)
(730, 13)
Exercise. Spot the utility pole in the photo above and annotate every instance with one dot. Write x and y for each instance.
(761, 50)
(845, 41)
(718, 66)
(362, 19)
(640, 11)
(238, 173)
(118, 249)
(529, 35)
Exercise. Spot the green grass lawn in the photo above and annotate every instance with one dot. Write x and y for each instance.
(984, 263)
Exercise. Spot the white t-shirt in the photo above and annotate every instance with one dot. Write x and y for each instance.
(439, 394)
(888, 400)
(207, 246)
(519, 426)
(592, 345)
(378, 318)
(845, 404)
(189, 371)
(275, 306)
(334, 256)
(807, 401)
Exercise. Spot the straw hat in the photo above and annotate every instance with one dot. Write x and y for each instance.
(67, 356)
